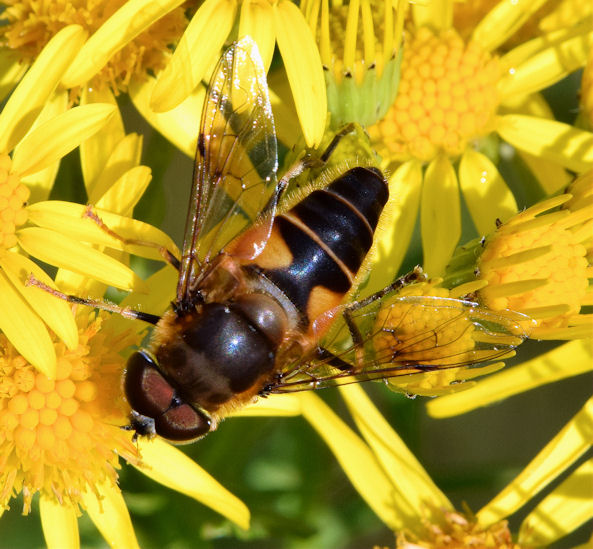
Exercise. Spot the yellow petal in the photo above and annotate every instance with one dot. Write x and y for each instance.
(11, 71)
(546, 67)
(123, 26)
(440, 216)
(257, 20)
(560, 453)
(65, 252)
(550, 175)
(502, 21)
(555, 141)
(396, 225)
(194, 55)
(57, 137)
(179, 125)
(125, 193)
(37, 85)
(124, 156)
(41, 182)
(275, 405)
(172, 468)
(110, 515)
(95, 150)
(303, 68)
(59, 523)
(567, 360)
(55, 312)
(68, 218)
(25, 330)
(569, 506)
(485, 191)
(355, 458)
(412, 486)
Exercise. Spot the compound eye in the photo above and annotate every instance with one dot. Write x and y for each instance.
(147, 391)
(182, 423)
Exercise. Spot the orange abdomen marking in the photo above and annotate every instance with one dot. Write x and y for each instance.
(321, 243)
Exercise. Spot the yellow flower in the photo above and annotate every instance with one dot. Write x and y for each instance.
(458, 99)
(360, 47)
(443, 331)
(537, 263)
(402, 494)
(531, 21)
(38, 129)
(30, 26)
(268, 23)
(61, 438)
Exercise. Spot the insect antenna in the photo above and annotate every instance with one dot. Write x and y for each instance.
(168, 256)
(126, 312)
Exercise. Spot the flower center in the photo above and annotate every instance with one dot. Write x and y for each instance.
(457, 531)
(447, 96)
(31, 24)
(60, 436)
(13, 197)
(562, 269)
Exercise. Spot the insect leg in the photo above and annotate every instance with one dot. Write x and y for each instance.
(167, 254)
(94, 303)
(333, 360)
(416, 275)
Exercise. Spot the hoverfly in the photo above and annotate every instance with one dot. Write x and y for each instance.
(260, 289)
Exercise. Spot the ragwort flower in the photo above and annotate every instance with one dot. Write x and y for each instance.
(139, 48)
(537, 263)
(61, 438)
(268, 23)
(402, 494)
(456, 100)
(360, 47)
(37, 137)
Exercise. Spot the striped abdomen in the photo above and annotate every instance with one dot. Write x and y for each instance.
(316, 248)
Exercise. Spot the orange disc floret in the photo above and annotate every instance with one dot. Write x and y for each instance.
(61, 436)
(447, 96)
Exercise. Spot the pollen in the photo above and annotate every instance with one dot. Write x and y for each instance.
(537, 264)
(61, 436)
(31, 24)
(458, 532)
(13, 199)
(447, 97)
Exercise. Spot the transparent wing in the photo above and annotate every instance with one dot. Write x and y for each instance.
(403, 335)
(236, 160)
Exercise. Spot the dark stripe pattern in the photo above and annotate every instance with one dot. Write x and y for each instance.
(343, 216)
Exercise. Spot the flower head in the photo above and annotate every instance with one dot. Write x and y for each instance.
(360, 49)
(404, 496)
(536, 263)
(30, 26)
(268, 23)
(458, 101)
(61, 437)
